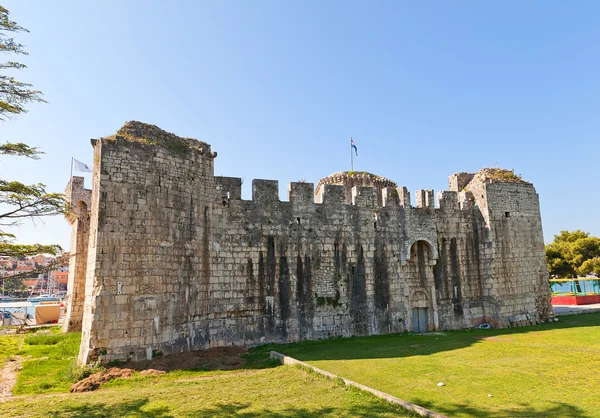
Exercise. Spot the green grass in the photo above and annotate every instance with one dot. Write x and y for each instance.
(9, 346)
(49, 362)
(547, 370)
(275, 392)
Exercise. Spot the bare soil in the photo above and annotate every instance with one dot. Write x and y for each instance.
(151, 372)
(94, 381)
(221, 358)
(8, 377)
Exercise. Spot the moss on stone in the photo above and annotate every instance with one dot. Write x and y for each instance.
(143, 133)
(501, 175)
(328, 300)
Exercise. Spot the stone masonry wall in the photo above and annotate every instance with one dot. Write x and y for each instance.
(178, 261)
(79, 218)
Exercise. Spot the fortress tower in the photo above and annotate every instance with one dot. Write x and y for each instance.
(167, 257)
(351, 179)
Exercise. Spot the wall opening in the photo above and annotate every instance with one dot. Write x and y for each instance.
(420, 320)
(421, 251)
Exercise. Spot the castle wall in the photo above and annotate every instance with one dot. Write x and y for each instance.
(92, 283)
(80, 228)
(463, 272)
(178, 261)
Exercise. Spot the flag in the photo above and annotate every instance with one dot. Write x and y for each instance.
(354, 146)
(79, 166)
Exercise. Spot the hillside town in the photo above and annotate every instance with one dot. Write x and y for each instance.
(50, 281)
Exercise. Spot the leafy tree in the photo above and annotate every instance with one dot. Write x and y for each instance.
(12, 285)
(572, 254)
(591, 265)
(18, 201)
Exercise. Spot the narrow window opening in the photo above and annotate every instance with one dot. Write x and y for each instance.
(507, 214)
(226, 199)
(298, 221)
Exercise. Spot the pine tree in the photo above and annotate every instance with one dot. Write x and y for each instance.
(18, 201)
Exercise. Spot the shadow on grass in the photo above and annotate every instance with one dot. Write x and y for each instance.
(559, 409)
(408, 344)
(143, 408)
(137, 408)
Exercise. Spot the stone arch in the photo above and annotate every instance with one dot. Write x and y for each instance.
(419, 298)
(77, 210)
(80, 208)
(431, 250)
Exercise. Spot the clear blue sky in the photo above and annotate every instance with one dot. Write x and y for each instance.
(277, 87)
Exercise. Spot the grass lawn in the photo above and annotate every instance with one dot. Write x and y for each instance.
(547, 370)
(260, 390)
(551, 370)
(9, 346)
(48, 359)
(274, 392)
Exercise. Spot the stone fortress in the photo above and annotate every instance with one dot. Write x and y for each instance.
(166, 257)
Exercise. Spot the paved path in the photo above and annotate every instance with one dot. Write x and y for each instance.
(574, 309)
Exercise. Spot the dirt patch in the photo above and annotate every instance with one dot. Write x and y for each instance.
(220, 358)
(8, 377)
(94, 381)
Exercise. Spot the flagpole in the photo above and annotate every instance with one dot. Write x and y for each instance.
(71, 168)
(351, 156)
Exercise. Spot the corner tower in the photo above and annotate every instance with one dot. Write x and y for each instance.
(510, 208)
(149, 261)
(350, 179)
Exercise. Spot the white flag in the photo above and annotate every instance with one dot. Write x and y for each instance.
(79, 166)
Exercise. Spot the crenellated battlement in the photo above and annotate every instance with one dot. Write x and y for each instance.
(78, 198)
(303, 193)
(447, 200)
(425, 199)
(265, 191)
(391, 197)
(229, 187)
(332, 194)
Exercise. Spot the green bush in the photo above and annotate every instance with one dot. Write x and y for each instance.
(77, 373)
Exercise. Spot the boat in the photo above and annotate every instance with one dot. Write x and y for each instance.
(44, 298)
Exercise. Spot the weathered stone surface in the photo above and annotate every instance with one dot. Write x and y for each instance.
(176, 260)
(79, 218)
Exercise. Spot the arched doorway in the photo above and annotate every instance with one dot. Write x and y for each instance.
(420, 280)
